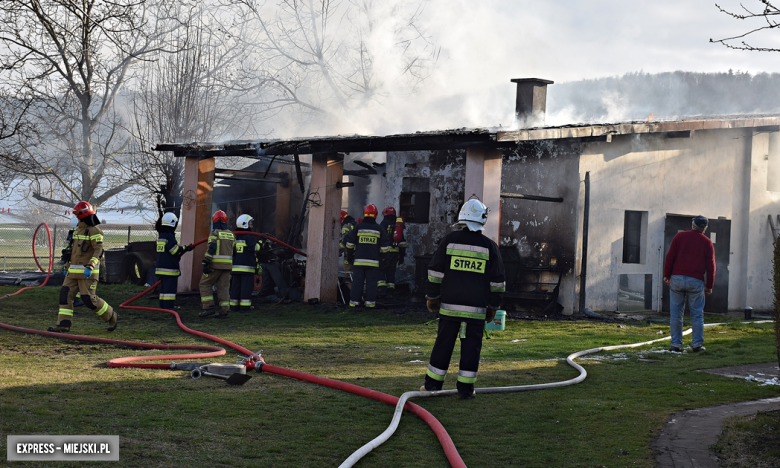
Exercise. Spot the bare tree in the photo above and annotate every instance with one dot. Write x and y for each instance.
(15, 131)
(327, 57)
(72, 57)
(186, 96)
(761, 19)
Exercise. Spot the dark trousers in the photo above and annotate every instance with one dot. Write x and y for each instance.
(470, 349)
(368, 275)
(388, 273)
(241, 286)
(168, 286)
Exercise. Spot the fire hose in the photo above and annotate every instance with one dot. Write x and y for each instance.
(253, 360)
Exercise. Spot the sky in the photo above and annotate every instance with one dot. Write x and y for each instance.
(485, 43)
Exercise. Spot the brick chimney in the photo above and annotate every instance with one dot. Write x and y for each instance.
(531, 101)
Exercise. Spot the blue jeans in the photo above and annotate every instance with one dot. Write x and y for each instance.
(681, 286)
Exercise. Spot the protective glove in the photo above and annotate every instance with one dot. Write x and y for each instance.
(188, 248)
(433, 305)
(87, 272)
(490, 314)
(207, 269)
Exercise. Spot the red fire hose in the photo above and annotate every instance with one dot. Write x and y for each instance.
(444, 438)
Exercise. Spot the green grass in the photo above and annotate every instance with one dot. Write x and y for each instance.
(751, 441)
(165, 418)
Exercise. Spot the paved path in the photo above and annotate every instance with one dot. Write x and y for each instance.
(685, 439)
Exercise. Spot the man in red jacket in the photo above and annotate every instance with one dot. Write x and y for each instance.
(690, 272)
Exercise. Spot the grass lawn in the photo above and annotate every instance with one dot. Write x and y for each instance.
(165, 418)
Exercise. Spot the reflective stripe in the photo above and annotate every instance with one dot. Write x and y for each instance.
(466, 250)
(96, 237)
(366, 262)
(350, 245)
(246, 302)
(79, 269)
(226, 235)
(243, 269)
(206, 298)
(390, 285)
(370, 304)
(224, 303)
(392, 249)
(369, 233)
(468, 377)
(433, 279)
(167, 297)
(94, 260)
(384, 249)
(233, 302)
(166, 272)
(436, 373)
(381, 283)
(222, 259)
(174, 249)
(66, 312)
(435, 274)
(497, 287)
(103, 309)
(454, 310)
(353, 303)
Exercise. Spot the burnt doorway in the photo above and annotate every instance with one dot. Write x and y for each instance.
(719, 232)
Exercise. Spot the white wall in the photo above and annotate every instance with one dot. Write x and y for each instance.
(716, 173)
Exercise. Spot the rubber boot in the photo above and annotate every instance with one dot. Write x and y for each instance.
(207, 312)
(112, 321)
(62, 327)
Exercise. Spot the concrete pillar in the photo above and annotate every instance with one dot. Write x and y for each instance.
(195, 218)
(324, 228)
(483, 179)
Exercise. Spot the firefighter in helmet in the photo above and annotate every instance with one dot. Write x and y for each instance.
(83, 271)
(347, 225)
(245, 264)
(465, 288)
(169, 253)
(366, 247)
(217, 264)
(396, 252)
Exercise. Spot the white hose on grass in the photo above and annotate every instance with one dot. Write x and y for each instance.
(384, 436)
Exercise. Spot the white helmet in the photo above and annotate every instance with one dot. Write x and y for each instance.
(74, 222)
(169, 219)
(242, 221)
(473, 214)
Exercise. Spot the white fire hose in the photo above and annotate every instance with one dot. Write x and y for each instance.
(383, 437)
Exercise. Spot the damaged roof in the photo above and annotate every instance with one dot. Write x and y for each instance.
(466, 138)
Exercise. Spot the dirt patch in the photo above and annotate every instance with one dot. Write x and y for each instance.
(764, 372)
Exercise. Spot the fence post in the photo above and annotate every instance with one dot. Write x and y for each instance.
(128, 234)
(54, 245)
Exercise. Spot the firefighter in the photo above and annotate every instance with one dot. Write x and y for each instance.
(465, 288)
(245, 265)
(366, 247)
(84, 271)
(169, 253)
(217, 264)
(65, 257)
(396, 252)
(347, 225)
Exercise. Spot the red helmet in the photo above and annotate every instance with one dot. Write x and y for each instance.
(219, 216)
(389, 211)
(344, 214)
(83, 209)
(370, 211)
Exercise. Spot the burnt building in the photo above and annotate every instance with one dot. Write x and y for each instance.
(583, 213)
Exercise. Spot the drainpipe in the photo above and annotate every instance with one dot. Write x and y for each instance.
(583, 268)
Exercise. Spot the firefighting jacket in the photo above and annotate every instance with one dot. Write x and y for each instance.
(467, 275)
(388, 226)
(168, 254)
(367, 243)
(86, 250)
(220, 251)
(245, 252)
(347, 226)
